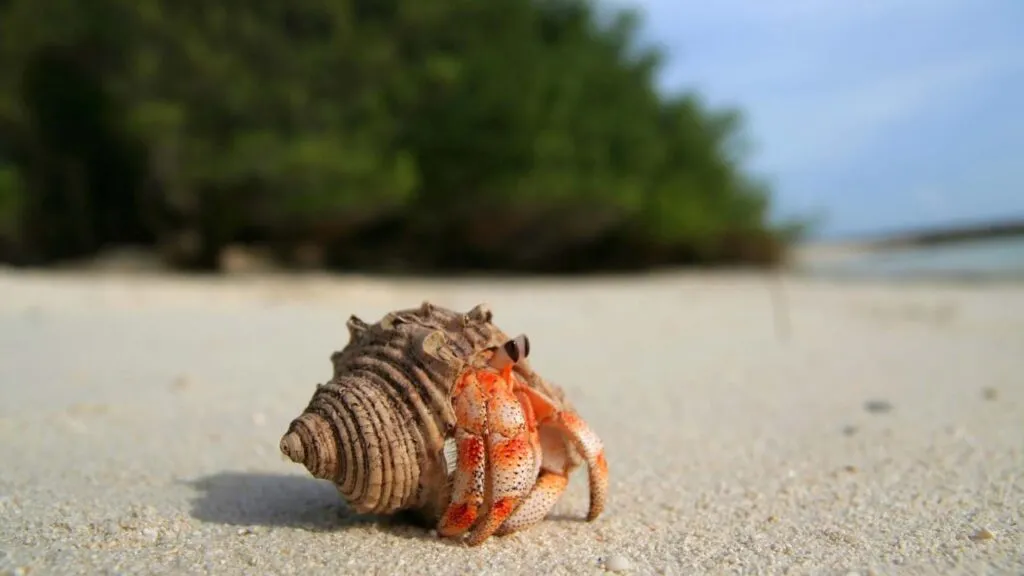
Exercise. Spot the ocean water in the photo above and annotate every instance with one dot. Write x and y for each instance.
(989, 259)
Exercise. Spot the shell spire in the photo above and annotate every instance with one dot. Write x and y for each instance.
(351, 434)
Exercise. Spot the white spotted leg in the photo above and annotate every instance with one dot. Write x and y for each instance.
(555, 428)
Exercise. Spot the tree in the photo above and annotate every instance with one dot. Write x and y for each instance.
(512, 133)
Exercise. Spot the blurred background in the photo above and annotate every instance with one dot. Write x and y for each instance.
(514, 135)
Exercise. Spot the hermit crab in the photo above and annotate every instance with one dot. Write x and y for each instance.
(439, 413)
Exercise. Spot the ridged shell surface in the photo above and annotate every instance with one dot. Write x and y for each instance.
(377, 428)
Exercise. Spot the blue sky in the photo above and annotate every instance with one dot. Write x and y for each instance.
(884, 114)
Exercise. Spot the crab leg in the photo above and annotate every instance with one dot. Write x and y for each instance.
(470, 470)
(511, 453)
(551, 483)
(583, 438)
(493, 434)
(536, 506)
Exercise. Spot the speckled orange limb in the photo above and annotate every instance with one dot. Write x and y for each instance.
(495, 434)
(554, 428)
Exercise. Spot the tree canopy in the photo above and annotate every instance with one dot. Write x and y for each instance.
(515, 134)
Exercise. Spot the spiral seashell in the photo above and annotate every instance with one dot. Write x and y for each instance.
(378, 428)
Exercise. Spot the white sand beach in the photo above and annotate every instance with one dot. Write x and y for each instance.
(870, 429)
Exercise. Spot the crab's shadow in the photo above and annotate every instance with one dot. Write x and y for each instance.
(286, 501)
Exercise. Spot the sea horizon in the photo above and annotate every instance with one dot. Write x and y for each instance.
(998, 258)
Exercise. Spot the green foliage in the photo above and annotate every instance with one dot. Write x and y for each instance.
(509, 133)
(11, 198)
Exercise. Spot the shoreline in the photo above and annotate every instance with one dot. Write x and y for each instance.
(931, 236)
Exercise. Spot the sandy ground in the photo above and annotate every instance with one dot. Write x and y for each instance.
(880, 430)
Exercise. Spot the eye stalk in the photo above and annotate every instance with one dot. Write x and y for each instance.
(517, 348)
(511, 352)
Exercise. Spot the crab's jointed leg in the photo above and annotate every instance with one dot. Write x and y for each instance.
(589, 445)
(551, 483)
(583, 438)
(513, 464)
(490, 417)
(471, 463)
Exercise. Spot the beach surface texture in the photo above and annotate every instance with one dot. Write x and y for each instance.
(752, 425)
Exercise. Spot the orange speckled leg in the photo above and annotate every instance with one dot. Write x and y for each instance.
(512, 454)
(551, 483)
(583, 438)
(494, 439)
(590, 446)
(470, 470)
(536, 506)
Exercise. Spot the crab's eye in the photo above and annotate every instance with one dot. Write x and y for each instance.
(518, 348)
(512, 350)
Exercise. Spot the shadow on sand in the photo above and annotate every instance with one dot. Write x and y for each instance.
(286, 501)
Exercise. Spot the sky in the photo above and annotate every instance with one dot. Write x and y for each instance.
(879, 116)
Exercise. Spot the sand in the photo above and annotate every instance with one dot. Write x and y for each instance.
(879, 430)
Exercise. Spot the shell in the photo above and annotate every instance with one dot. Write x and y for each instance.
(378, 428)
